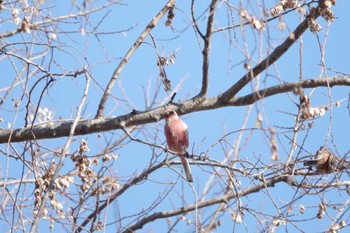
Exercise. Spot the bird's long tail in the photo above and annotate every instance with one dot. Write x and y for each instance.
(187, 168)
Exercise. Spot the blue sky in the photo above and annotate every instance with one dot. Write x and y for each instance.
(104, 53)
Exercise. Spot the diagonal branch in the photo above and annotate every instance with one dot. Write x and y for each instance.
(128, 55)
(227, 197)
(221, 199)
(287, 87)
(125, 187)
(269, 60)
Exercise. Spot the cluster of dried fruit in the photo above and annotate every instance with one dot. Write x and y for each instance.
(307, 112)
(252, 20)
(45, 184)
(324, 9)
(52, 185)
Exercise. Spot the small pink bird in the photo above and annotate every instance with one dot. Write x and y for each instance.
(177, 138)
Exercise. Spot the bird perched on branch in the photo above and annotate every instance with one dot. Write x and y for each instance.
(177, 139)
(324, 161)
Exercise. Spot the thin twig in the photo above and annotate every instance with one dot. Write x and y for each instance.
(129, 54)
(206, 51)
(62, 156)
(269, 60)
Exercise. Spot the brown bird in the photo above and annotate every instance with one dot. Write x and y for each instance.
(324, 161)
(176, 134)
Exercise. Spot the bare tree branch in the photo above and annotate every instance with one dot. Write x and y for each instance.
(125, 187)
(128, 55)
(13, 182)
(36, 25)
(288, 87)
(84, 127)
(206, 51)
(62, 157)
(269, 60)
(221, 199)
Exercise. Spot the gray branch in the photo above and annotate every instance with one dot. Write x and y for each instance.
(84, 127)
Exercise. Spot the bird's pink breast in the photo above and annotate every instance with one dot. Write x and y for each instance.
(176, 134)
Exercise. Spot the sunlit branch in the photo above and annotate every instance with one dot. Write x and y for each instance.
(63, 153)
(217, 200)
(36, 25)
(288, 87)
(128, 55)
(206, 50)
(84, 127)
(114, 196)
(269, 60)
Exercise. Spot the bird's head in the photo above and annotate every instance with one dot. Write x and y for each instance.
(170, 112)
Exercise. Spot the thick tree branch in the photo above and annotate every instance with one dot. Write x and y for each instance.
(128, 55)
(287, 87)
(84, 127)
